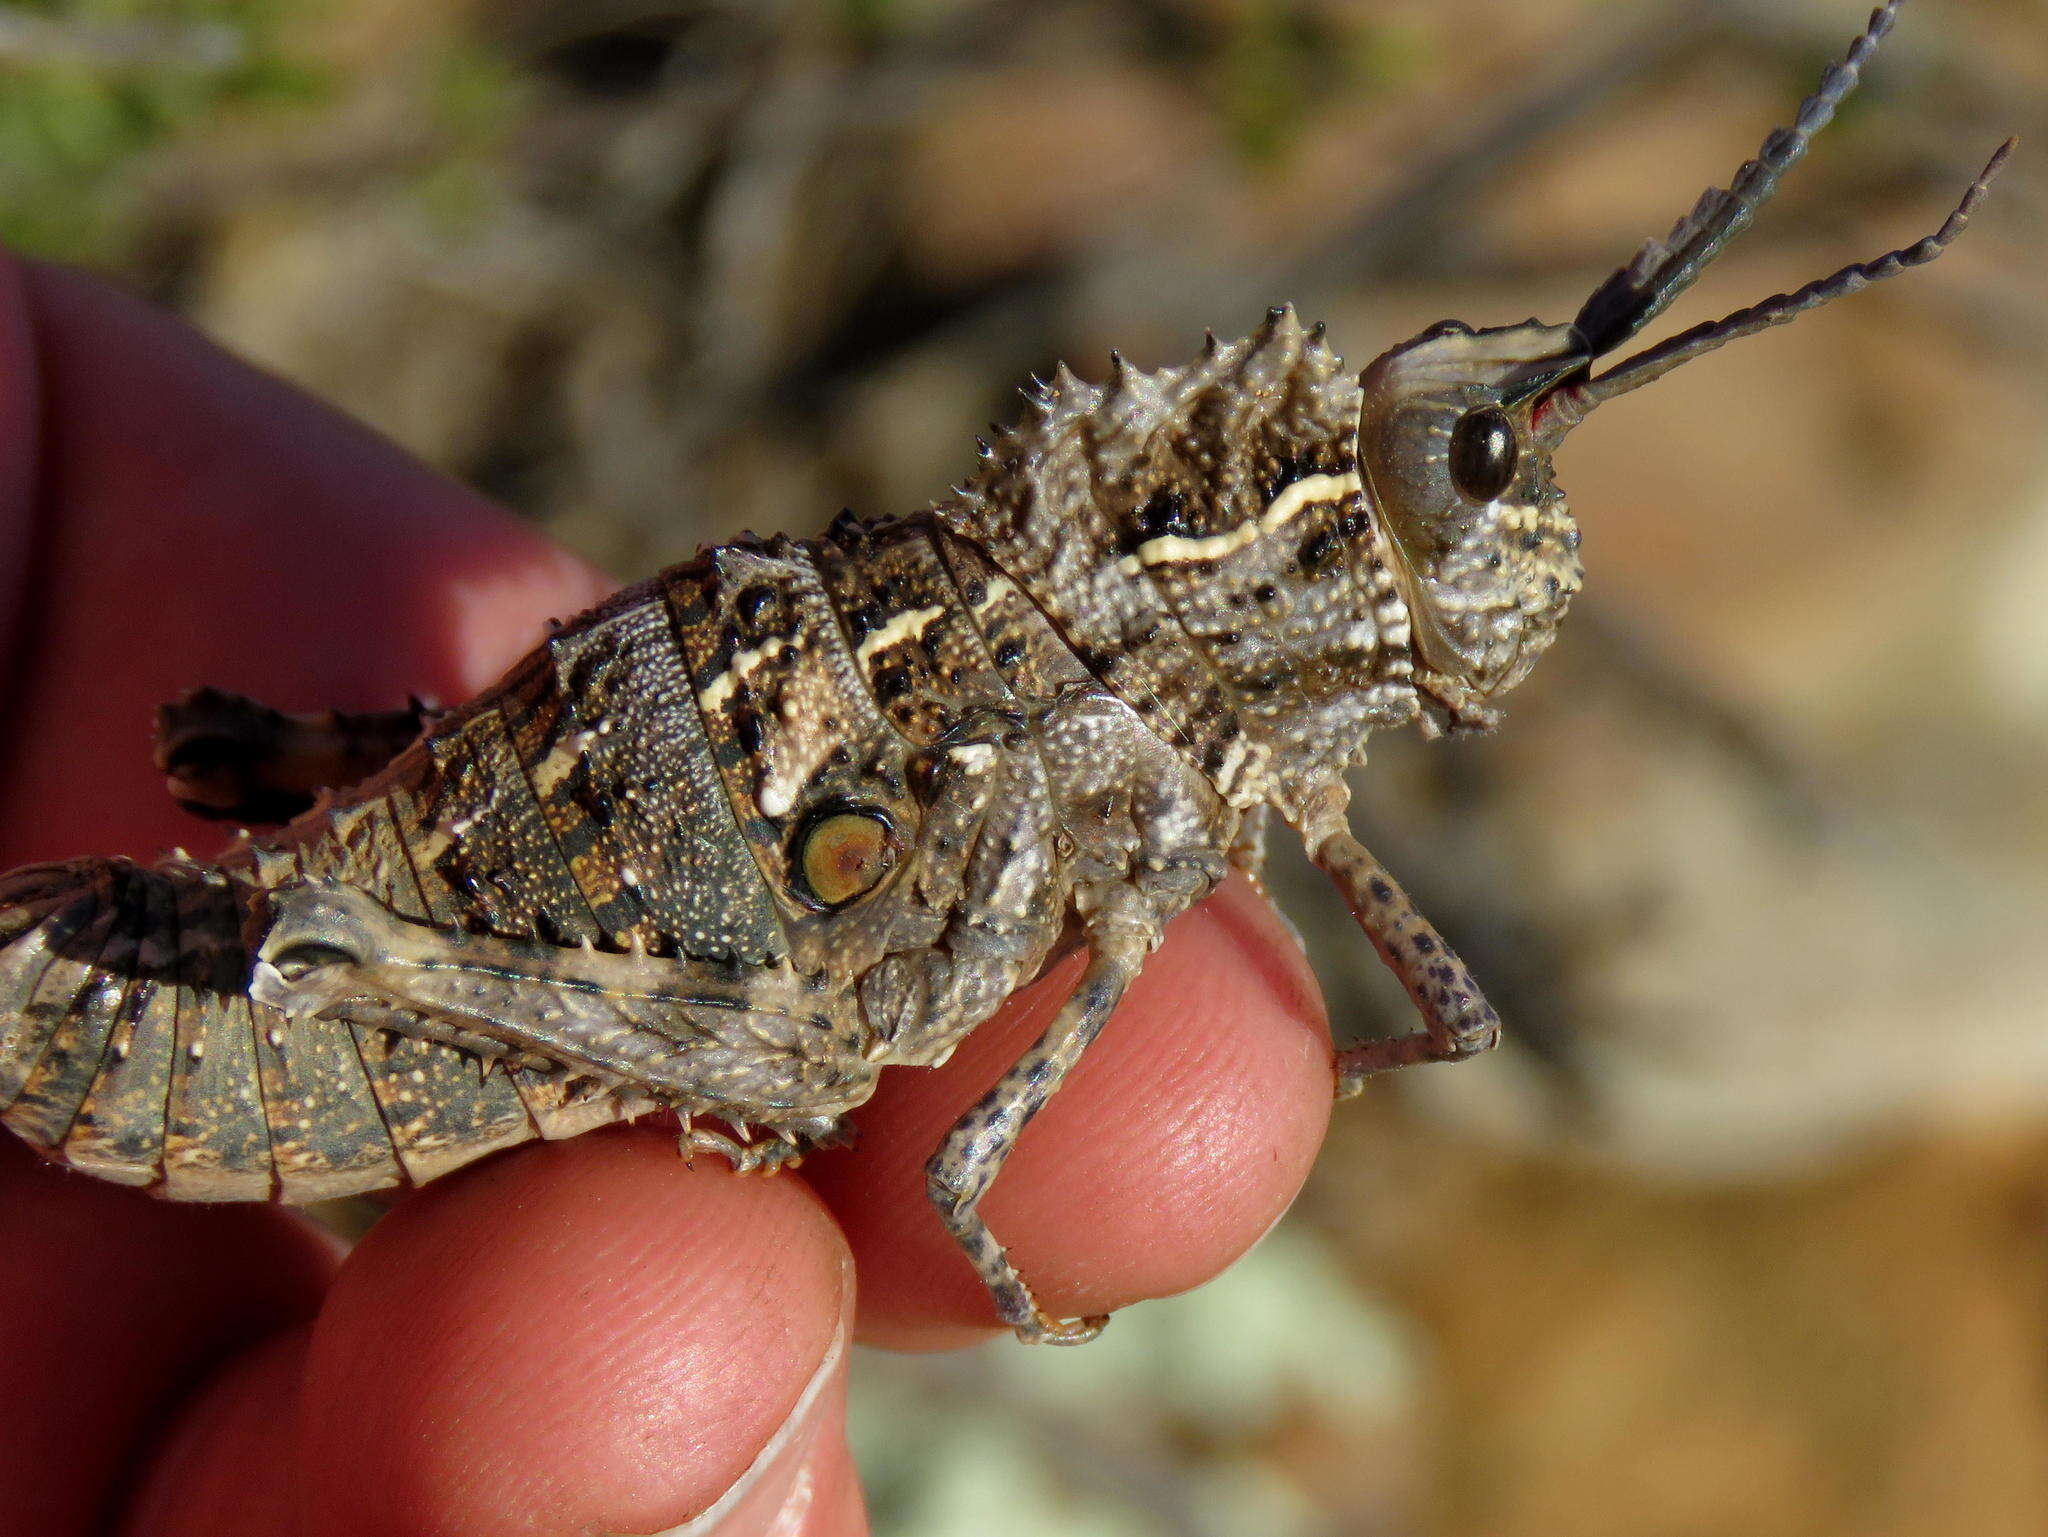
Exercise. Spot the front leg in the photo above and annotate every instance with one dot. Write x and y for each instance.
(1457, 1019)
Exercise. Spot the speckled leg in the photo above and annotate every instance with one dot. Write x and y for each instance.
(1121, 933)
(230, 757)
(1457, 1019)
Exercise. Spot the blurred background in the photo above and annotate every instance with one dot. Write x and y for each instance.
(1746, 1230)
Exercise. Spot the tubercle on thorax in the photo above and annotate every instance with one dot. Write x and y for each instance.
(1203, 538)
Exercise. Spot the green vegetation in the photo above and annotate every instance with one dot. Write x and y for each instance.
(88, 86)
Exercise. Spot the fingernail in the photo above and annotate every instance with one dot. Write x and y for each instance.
(775, 1495)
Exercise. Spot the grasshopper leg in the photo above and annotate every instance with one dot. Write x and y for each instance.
(1457, 1019)
(1121, 933)
(756, 1044)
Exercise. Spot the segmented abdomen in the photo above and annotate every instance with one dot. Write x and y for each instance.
(129, 1047)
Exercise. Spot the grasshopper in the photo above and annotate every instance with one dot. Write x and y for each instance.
(796, 811)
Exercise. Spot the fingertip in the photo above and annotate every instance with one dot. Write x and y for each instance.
(1178, 1141)
(805, 1482)
(588, 1335)
(835, 1505)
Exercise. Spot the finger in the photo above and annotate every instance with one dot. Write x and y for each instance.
(196, 521)
(588, 1336)
(229, 1459)
(114, 1304)
(165, 486)
(1176, 1143)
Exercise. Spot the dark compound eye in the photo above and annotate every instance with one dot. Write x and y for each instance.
(844, 854)
(1483, 453)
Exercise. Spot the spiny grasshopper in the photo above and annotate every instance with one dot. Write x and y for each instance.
(799, 810)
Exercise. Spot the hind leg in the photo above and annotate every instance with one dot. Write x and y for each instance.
(751, 1045)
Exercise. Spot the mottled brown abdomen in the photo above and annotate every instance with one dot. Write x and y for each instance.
(129, 1047)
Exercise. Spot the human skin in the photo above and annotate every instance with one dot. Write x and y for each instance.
(565, 1338)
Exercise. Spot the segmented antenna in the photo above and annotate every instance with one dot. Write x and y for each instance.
(1655, 362)
(1637, 294)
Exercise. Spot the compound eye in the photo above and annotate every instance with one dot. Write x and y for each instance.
(842, 855)
(1483, 453)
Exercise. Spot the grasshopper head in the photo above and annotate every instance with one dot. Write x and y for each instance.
(1452, 456)
(1457, 427)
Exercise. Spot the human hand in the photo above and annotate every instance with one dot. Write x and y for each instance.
(574, 1337)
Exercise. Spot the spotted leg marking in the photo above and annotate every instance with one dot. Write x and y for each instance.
(1122, 931)
(769, 1155)
(1457, 1019)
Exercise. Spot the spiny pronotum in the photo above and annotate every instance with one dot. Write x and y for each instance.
(799, 810)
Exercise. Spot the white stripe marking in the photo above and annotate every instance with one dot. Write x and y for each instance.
(908, 625)
(726, 683)
(775, 798)
(1170, 549)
